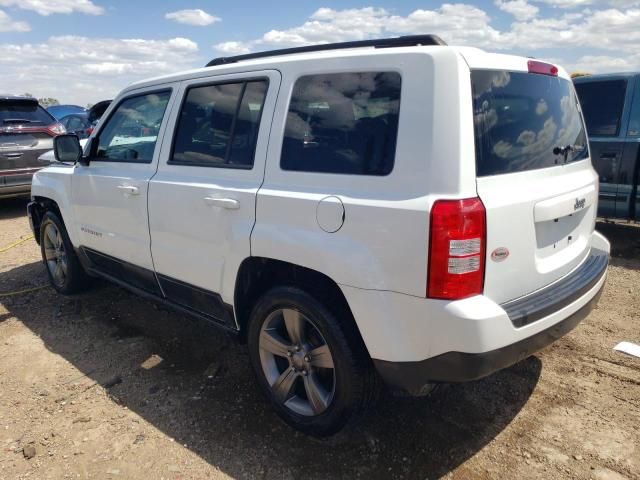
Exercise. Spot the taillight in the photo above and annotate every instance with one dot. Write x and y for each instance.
(543, 68)
(457, 245)
(56, 129)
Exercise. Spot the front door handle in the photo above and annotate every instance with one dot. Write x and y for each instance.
(228, 203)
(129, 189)
(609, 155)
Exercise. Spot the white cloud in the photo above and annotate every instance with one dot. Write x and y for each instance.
(602, 30)
(7, 24)
(605, 63)
(624, 3)
(82, 70)
(457, 23)
(520, 9)
(567, 3)
(196, 17)
(233, 48)
(609, 29)
(47, 7)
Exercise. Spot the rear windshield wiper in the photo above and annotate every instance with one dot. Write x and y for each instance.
(566, 150)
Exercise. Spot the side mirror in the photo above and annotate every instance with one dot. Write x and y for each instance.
(67, 149)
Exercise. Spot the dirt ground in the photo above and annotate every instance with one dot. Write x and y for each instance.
(105, 385)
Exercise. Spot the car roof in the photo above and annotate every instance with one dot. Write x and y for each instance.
(605, 76)
(474, 57)
(266, 63)
(13, 98)
(76, 114)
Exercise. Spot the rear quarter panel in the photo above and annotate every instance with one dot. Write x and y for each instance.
(383, 243)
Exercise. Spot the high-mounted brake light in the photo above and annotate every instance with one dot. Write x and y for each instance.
(542, 68)
(457, 245)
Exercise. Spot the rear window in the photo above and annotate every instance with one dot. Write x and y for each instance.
(525, 121)
(602, 104)
(18, 112)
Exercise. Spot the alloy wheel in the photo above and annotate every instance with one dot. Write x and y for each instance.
(297, 362)
(55, 254)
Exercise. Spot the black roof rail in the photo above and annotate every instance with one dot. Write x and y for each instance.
(405, 41)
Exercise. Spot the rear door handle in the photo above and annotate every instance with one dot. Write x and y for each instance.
(228, 203)
(609, 155)
(12, 155)
(129, 189)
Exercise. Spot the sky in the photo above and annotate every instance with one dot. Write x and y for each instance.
(83, 51)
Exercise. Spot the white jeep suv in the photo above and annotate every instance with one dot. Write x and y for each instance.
(392, 209)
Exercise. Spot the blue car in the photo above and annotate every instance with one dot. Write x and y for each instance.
(61, 111)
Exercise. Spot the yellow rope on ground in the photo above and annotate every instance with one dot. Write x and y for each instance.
(15, 244)
(26, 290)
(18, 292)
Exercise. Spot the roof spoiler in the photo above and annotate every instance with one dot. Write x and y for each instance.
(405, 41)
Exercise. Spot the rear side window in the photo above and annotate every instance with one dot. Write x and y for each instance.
(343, 123)
(525, 121)
(18, 112)
(602, 104)
(218, 125)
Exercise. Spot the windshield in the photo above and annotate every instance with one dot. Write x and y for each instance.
(525, 121)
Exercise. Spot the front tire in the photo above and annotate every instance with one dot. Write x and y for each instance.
(65, 272)
(316, 377)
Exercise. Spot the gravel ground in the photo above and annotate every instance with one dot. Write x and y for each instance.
(106, 385)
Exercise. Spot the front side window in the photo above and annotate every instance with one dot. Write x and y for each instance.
(131, 131)
(602, 104)
(218, 125)
(343, 123)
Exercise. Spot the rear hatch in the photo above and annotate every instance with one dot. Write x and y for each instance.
(534, 178)
(24, 135)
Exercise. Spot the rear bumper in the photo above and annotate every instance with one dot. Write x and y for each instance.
(16, 182)
(413, 377)
(416, 341)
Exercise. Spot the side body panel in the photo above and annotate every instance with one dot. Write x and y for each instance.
(195, 239)
(110, 199)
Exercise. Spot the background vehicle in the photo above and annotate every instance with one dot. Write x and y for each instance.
(611, 107)
(97, 111)
(78, 124)
(417, 213)
(61, 111)
(26, 132)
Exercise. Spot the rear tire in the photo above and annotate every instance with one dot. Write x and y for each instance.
(65, 272)
(316, 377)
